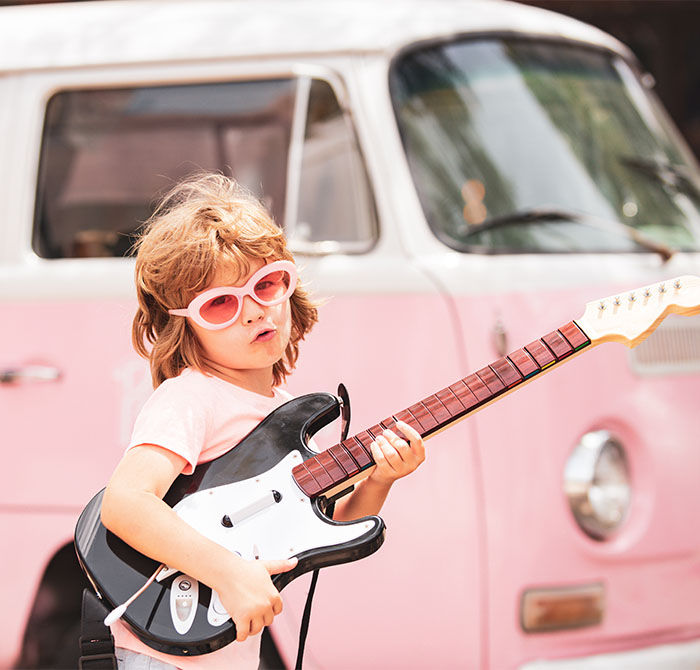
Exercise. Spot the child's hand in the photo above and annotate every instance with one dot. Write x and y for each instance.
(250, 597)
(394, 456)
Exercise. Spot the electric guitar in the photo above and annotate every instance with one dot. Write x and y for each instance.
(266, 497)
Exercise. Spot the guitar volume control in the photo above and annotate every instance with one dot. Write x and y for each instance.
(184, 597)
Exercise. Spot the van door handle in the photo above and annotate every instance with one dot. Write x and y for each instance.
(29, 373)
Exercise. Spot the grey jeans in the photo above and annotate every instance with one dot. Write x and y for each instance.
(131, 660)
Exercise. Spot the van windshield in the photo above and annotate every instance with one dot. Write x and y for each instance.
(531, 146)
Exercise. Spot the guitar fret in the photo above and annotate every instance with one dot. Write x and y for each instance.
(506, 372)
(405, 416)
(541, 353)
(365, 439)
(437, 409)
(525, 364)
(347, 462)
(317, 471)
(389, 423)
(559, 346)
(464, 395)
(425, 419)
(451, 402)
(489, 377)
(574, 335)
(357, 451)
(477, 387)
(375, 431)
(336, 473)
(306, 481)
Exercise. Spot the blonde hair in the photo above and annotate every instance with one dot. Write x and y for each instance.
(203, 222)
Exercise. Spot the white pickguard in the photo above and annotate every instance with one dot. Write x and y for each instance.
(278, 530)
(269, 518)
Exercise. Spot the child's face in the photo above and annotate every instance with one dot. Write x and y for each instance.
(256, 340)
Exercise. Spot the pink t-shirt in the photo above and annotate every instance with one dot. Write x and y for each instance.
(200, 417)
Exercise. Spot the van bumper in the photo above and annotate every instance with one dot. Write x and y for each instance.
(676, 656)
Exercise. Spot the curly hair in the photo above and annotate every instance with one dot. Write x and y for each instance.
(203, 222)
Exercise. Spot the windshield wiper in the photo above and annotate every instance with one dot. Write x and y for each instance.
(557, 215)
(677, 177)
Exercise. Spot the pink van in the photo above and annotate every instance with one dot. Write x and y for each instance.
(457, 179)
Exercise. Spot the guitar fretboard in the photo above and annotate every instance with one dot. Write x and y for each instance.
(348, 459)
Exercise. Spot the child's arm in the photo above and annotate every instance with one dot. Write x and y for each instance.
(395, 458)
(133, 509)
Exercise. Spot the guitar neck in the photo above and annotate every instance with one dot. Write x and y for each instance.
(627, 318)
(351, 460)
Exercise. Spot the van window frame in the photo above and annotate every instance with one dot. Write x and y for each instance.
(240, 72)
(335, 81)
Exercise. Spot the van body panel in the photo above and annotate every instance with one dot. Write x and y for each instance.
(178, 28)
(402, 315)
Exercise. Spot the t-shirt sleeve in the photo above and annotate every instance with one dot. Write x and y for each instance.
(175, 420)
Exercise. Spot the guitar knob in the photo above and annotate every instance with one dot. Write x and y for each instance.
(184, 596)
(183, 607)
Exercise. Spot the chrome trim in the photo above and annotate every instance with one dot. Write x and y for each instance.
(580, 483)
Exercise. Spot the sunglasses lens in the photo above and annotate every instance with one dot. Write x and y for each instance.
(273, 286)
(220, 309)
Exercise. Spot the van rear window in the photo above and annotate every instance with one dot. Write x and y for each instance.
(108, 154)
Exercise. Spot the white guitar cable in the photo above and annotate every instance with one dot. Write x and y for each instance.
(118, 612)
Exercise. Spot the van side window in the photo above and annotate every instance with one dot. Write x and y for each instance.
(335, 208)
(108, 154)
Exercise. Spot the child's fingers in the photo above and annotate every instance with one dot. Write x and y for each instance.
(383, 456)
(409, 431)
(242, 630)
(256, 625)
(390, 451)
(412, 451)
(283, 565)
(415, 439)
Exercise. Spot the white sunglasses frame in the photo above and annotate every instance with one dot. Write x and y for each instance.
(192, 310)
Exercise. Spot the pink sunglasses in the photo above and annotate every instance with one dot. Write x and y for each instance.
(219, 307)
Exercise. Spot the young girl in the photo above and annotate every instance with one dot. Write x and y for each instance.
(217, 360)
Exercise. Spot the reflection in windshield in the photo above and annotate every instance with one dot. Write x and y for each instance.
(493, 127)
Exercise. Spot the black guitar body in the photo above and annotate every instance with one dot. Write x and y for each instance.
(246, 500)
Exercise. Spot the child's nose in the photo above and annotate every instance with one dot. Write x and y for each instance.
(251, 310)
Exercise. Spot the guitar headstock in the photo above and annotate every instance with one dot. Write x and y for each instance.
(630, 317)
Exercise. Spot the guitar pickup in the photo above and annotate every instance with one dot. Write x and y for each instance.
(269, 499)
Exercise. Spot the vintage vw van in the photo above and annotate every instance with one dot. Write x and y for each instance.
(456, 179)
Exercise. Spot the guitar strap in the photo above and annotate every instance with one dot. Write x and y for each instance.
(306, 618)
(96, 641)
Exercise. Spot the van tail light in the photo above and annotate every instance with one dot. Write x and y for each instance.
(558, 608)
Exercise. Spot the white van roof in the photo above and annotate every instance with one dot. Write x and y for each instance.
(133, 31)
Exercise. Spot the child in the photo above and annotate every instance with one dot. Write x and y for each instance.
(216, 365)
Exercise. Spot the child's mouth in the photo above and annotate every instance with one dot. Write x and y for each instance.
(265, 336)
